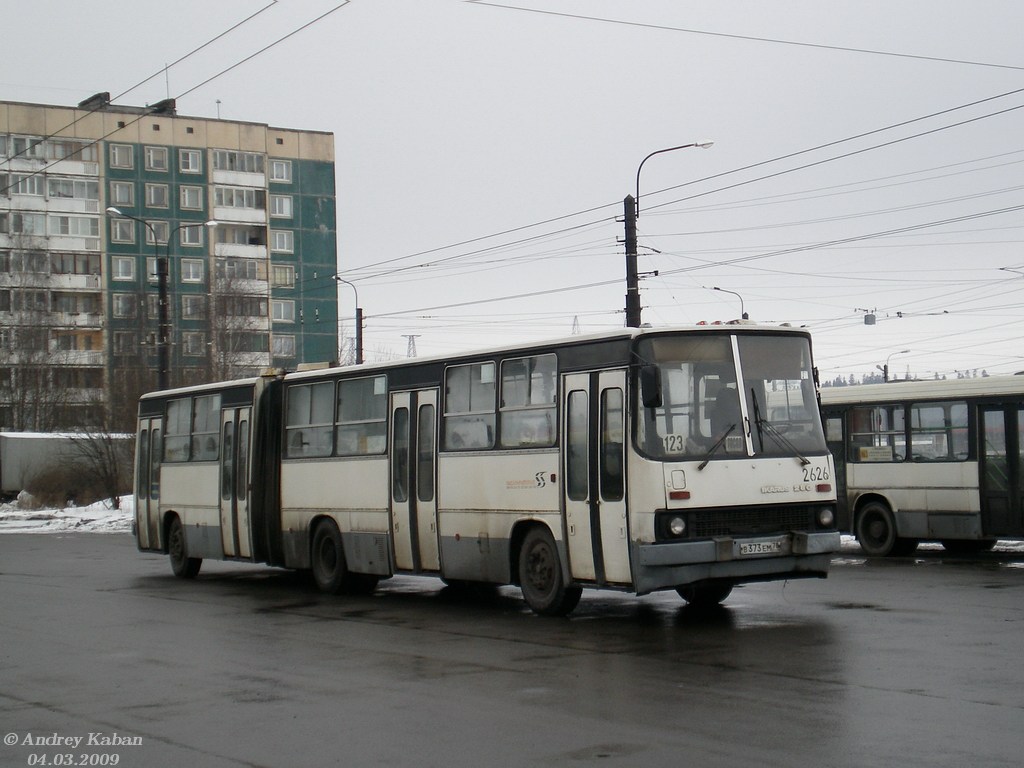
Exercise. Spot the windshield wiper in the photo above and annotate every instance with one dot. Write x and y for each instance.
(715, 447)
(763, 425)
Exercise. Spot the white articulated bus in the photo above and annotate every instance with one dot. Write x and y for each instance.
(638, 460)
(929, 460)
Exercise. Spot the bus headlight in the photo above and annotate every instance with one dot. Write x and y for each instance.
(826, 518)
(677, 526)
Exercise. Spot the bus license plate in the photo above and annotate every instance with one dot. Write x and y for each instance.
(760, 548)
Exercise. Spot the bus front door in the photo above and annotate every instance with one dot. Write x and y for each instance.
(594, 452)
(414, 480)
(234, 482)
(1002, 467)
(148, 455)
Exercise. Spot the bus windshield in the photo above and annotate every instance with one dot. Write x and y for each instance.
(729, 397)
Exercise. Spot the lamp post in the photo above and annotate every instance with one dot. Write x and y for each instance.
(631, 210)
(359, 321)
(885, 369)
(163, 344)
(743, 312)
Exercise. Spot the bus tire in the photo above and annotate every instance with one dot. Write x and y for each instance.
(184, 567)
(328, 558)
(705, 594)
(540, 576)
(877, 534)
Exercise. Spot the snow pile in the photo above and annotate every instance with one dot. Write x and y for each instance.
(101, 517)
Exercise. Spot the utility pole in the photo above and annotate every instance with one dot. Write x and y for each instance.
(632, 279)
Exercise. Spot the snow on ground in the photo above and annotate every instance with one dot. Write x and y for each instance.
(100, 517)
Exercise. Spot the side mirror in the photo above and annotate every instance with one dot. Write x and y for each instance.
(650, 386)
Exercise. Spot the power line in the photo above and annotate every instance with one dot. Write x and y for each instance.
(266, 48)
(750, 38)
(142, 82)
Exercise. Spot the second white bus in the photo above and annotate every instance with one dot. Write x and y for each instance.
(928, 461)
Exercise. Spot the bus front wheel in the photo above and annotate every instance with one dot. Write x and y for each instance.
(705, 594)
(184, 567)
(877, 534)
(540, 576)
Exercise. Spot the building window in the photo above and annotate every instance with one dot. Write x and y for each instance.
(122, 156)
(156, 158)
(195, 343)
(73, 189)
(23, 223)
(192, 198)
(282, 241)
(151, 274)
(283, 345)
(229, 160)
(123, 267)
(281, 171)
(281, 206)
(239, 197)
(122, 193)
(77, 226)
(126, 343)
(124, 305)
(237, 269)
(283, 311)
(191, 271)
(156, 195)
(24, 184)
(190, 160)
(159, 229)
(282, 276)
(191, 236)
(122, 231)
(192, 307)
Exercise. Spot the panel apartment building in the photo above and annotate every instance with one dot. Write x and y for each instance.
(93, 198)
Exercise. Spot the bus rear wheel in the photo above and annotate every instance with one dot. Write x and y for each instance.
(328, 558)
(877, 534)
(330, 570)
(184, 567)
(541, 578)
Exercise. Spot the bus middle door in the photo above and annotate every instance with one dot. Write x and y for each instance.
(414, 530)
(234, 482)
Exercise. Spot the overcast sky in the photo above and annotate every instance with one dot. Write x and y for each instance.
(868, 156)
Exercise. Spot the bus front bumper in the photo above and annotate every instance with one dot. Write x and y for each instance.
(763, 558)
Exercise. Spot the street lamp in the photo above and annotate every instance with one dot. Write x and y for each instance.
(359, 321)
(163, 313)
(631, 209)
(743, 312)
(885, 369)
